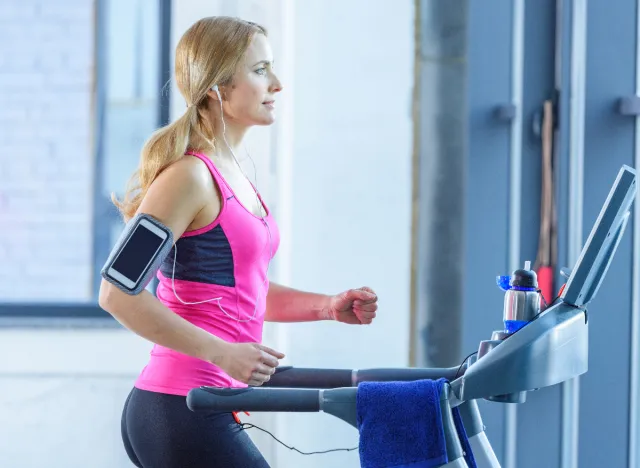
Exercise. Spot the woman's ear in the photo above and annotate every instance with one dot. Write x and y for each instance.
(214, 93)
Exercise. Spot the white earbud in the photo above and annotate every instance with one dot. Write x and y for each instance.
(215, 88)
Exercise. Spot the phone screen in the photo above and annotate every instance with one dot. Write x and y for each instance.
(137, 253)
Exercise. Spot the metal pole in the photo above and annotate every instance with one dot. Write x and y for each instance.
(438, 229)
(101, 202)
(164, 73)
(164, 77)
(634, 394)
(515, 197)
(571, 388)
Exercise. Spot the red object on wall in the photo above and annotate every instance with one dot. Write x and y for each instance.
(545, 283)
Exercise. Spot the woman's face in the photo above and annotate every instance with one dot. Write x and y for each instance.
(250, 99)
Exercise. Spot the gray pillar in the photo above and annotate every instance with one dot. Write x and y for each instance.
(440, 125)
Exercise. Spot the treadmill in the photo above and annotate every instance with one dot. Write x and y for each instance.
(550, 349)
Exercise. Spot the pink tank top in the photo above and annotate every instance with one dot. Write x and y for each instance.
(228, 259)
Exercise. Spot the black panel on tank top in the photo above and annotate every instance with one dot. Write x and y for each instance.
(204, 258)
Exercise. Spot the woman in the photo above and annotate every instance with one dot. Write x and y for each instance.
(213, 294)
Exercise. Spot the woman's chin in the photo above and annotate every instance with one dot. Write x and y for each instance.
(266, 120)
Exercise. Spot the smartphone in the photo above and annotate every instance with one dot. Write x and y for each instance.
(137, 254)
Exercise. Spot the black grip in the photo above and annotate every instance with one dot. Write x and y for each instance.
(409, 373)
(253, 399)
(299, 377)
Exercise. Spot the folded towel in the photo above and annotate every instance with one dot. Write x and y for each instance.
(400, 424)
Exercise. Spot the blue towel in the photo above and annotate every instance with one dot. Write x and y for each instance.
(400, 425)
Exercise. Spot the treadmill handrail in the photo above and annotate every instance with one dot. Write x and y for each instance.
(307, 377)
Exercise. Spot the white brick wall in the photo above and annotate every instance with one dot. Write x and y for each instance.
(46, 157)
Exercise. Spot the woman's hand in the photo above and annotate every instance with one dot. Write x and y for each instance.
(250, 363)
(355, 306)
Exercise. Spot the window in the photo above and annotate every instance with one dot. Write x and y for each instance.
(98, 70)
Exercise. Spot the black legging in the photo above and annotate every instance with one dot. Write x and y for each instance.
(159, 431)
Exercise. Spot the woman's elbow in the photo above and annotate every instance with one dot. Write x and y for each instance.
(119, 304)
(108, 296)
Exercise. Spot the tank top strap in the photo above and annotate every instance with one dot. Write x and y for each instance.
(222, 184)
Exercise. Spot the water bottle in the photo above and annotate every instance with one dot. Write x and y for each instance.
(521, 299)
(521, 306)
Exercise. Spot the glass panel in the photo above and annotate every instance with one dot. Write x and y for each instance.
(47, 104)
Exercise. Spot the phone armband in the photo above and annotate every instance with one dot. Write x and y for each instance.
(138, 253)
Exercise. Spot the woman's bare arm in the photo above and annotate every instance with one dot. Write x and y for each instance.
(174, 199)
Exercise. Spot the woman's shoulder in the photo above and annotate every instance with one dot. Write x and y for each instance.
(186, 178)
(188, 173)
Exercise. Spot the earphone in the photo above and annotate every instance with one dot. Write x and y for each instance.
(262, 218)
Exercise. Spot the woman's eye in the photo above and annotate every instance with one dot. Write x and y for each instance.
(261, 71)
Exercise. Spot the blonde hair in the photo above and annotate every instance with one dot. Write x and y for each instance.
(207, 54)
